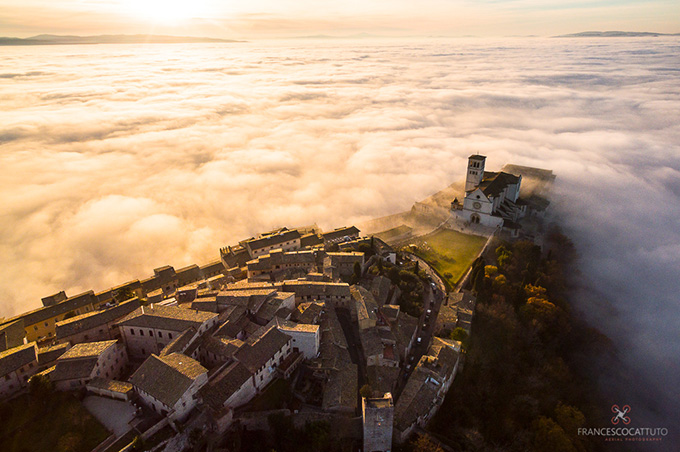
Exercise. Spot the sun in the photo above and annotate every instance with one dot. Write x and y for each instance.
(166, 11)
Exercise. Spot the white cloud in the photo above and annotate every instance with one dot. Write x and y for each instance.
(119, 159)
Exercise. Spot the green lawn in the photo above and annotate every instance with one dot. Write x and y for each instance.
(55, 423)
(450, 252)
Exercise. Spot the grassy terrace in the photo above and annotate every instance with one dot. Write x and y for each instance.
(57, 422)
(450, 252)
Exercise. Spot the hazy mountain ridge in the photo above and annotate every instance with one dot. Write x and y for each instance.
(615, 34)
(47, 39)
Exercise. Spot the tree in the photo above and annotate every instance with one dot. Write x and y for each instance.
(40, 387)
(123, 294)
(425, 443)
(540, 312)
(318, 434)
(393, 274)
(459, 334)
(550, 436)
(490, 270)
(366, 391)
(366, 249)
(570, 419)
(535, 291)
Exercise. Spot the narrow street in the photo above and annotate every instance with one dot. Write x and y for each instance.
(356, 351)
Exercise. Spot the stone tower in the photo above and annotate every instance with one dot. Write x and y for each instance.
(475, 171)
(378, 418)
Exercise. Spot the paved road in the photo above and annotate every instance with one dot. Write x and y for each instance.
(433, 296)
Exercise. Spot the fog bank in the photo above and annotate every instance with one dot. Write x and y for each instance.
(119, 159)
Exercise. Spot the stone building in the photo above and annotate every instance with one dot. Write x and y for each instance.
(83, 362)
(149, 329)
(377, 416)
(17, 365)
(491, 198)
(168, 384)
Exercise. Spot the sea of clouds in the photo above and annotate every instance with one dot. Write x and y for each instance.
(116, 159)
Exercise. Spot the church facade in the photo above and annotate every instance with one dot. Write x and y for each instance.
(491, 198)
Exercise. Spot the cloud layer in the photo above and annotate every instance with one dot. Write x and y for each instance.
(118, 159)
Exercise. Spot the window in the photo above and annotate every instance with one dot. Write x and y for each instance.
(46, 324)
(132, 331)
(35, 328)
(160, 334)
(141, 332)
(151, 333)
(143, 352)
(170, 335)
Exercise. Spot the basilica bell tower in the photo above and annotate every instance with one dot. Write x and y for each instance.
(475, 171)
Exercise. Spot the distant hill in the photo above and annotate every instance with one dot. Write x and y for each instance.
(614, 34)
(107, 39)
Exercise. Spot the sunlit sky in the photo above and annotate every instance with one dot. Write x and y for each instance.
(255, 19)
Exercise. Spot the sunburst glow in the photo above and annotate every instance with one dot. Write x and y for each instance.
(167, 11)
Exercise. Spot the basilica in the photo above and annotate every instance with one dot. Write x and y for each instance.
(491, 198)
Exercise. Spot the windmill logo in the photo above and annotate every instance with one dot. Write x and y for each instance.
(621, 414)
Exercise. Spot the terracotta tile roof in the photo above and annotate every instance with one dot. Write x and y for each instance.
(48, 312)
(308, 312)
(225, 384)
(424, 384)
(382, 378)
(315, 288)
(292, 326)
(14, 358)
(166, 317)
(122, 387)
(87, 350)
(12, 335)
(254, 355)
(380, 288)
(494, 183)
(370, 342)
(341, 389)
(73, 369)
(221, 346)
(309, 240)
(341, 232)
(49, 354)
(273, 240)
(94, 319)
(180, 343)
(167, 378)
